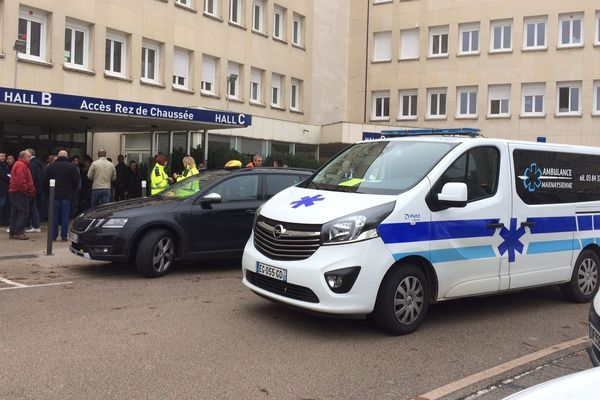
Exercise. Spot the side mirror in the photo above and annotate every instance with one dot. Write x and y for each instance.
(454, 194)
(211, 198)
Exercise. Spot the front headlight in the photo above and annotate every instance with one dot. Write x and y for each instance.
(257, 214)
(115, 223)
(356, 227)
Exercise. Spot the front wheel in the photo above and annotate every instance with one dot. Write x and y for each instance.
(402, 301)
(155, 254)
(584, 281)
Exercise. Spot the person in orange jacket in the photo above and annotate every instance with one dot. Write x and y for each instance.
(257, 161)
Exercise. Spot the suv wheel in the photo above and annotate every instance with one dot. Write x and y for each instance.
(156, 253)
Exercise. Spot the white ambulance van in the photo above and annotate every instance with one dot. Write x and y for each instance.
(389, 226)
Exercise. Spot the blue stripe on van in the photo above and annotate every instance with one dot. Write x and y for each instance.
(596, 221)
(456, 254)
(553, 224)
(584, 223)
(552, 246)
(438, 230)
(586, 241)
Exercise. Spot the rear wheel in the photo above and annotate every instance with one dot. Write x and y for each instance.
(402, 301)
(155, 254)
(584, 281)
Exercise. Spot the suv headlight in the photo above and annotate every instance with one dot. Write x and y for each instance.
(356, 227)
(115, 223)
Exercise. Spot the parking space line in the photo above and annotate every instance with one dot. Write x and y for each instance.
(12, 283)
(17, 285)
(452, 387)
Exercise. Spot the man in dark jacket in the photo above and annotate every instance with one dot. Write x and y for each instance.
(20, 190)
(66, 177)
(4, 181)
(121, 182)
(36, 166)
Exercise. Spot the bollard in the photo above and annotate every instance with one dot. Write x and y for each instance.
(50, 217)
(144, 190)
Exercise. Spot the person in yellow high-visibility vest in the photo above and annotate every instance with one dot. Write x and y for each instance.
(189, 168)
(159, 179)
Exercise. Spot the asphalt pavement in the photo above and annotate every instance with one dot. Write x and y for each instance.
(101, 331)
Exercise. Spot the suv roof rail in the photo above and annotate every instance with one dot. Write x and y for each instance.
(471, 132)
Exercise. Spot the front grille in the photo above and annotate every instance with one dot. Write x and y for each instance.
(282, 288)
(295, 242)
(85, 224)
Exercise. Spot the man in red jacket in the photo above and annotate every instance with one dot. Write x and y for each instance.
(20, 190)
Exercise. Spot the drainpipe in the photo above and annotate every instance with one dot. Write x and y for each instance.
(366, 61)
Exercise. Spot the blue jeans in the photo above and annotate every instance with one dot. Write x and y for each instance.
(62, 211)
(100, 196)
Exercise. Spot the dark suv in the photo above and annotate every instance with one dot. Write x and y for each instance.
(207, 215)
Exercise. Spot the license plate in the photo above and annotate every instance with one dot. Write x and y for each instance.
(272, 272)
(73, 237)
(595, 336)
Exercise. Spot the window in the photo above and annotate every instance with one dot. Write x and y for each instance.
(469, 38)
(570, 30)
(256, 85)
(568, 98)
(381, 105)
(258, 7)
(186, 3)
(478, 169)
(408, 104)
(181, 67)
(438, 41)
(238, 188)
(76, 44)
(534, 33)
(500, 36)
(277, 182)
(409, 44)
(32, 30)
(298, 30)
(279, 22)
(211, 7)
(233, 85)
(466, 98)
(276, 85)
(116, 50)
(296, 95)
(499, 101)
(436, 103)
(150, 61)
(532, 102)
(209, 74)
(382, 46)
(596, 110)
(235, 11)
(597, 38)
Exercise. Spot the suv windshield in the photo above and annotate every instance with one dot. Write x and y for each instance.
(380, 167)
(190, 186)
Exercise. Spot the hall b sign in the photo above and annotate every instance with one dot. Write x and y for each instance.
(117, 107)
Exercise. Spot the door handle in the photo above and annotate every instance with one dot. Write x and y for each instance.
(495, 226)
(528, 224)
(251, 211)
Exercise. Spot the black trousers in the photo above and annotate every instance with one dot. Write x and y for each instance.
(19, 213)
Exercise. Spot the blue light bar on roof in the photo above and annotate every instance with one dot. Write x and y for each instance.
(472, 132)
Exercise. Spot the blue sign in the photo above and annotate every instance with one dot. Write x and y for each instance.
(118, 107)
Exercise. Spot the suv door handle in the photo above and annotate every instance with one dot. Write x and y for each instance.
(495, 226)
(529, 224)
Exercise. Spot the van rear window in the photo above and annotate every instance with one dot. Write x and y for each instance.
(547, 177)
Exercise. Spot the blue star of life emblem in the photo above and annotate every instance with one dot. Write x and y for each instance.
(512, 242)
(307, 201)
(532, 177)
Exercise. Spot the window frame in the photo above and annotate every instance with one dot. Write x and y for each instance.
(281, 12)
(187, 80)
(535, 22)
(503, 24)
(296, 95)
(121, 38)
(415, 57)
(437, 92)
(256, 72)
(492, 97)
(42, 19)
(260, 4)
(468, 90)
(571, 85)
(597, 29)
(239, 16)
(409, 93)
(534, 90)
(440, 31)
(377, 46)
(571, 17)
(215, 8)
(281, 79)
(206, 59)
(298, 30)
(234, 68)
(596, 96)
(469, 28)
(85, 29)
(375, 109)
(151, 45)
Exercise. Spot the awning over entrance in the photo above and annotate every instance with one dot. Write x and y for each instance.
(108, 115)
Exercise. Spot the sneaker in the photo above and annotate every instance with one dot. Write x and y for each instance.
(63, 240)
(33, 230)
(20, 237)
(8, 230)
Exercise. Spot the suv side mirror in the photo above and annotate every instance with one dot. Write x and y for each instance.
(211, 198)
(454, 194)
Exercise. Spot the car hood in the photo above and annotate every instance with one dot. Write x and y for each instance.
(580, 386)
(132, 208)
(310, 206)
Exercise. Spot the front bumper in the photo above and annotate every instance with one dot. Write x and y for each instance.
(101, 244)
(306, 277)
(593, 351)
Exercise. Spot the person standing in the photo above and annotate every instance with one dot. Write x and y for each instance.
(75, 199)
(20, 190)
(133, 181)
(257, 161)
(159, 179)
(85, 195)
(67, 178)
(121, 183)
(189, 168)
(4, 181)
(10, 161)
(36, 166)
(102, 173)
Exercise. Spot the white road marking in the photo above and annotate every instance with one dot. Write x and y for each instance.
(17, 285)
(452, 387)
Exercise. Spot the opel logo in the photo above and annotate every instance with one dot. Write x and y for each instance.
(278, 231)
